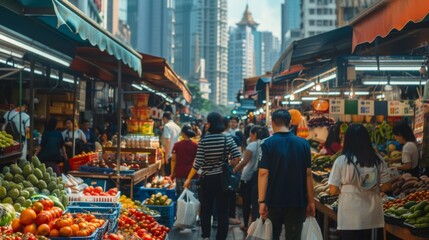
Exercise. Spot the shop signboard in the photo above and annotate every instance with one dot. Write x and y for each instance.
(366, 107)
(400, 108)
(337, 106)
(247, 104)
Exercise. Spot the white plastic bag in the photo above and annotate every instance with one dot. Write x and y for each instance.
(187, 210)
(260, 230)
(311, 230)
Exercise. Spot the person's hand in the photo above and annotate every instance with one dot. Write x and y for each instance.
(187, 183)
(172, 176)
(263, 210)
(311, 210)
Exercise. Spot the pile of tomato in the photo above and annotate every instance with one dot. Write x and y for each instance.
(6, 233)
(98, 191)
(415, 196)
(133, 222)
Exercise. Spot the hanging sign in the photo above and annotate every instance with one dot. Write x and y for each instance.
(337, 106)
(366, 107)
(399, 108)
(321, 106)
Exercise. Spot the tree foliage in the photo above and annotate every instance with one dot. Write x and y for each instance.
(205, 106)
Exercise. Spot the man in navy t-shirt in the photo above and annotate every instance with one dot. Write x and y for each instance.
(286, 194)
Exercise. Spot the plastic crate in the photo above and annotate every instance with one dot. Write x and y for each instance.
(86, 168)
(106, 184)
(76, 162)
(167, 214)
(15, 148)
(147, 192)
(74, 197)
(109, 199)
(110, 215)
(96, 235)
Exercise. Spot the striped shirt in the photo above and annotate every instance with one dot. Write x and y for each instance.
(210, 153)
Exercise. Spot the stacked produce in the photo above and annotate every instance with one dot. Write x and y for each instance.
(128, 203)
(380, 134)
(407, 184)
(6, 140)
(134, 223)
(6, 233)
(19, 182)
(322, 189)
(161, 182)
(98, 191)
(414, 210)
(323, 163)
(158, 199)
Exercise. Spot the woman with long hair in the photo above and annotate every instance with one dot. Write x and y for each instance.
(358, 176)
(249, 175)
(410, 153)
(211, 152)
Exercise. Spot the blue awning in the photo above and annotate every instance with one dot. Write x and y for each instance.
(78, 23)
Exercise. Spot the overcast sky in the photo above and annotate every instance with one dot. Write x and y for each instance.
(265, 12)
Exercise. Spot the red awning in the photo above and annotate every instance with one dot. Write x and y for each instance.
(385, 16)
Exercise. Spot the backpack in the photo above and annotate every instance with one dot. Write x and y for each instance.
(11, 128)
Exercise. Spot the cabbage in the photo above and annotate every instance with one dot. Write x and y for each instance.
(7, 214)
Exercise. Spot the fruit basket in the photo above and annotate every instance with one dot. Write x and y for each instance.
(109, 214)
(15, 148)
(77, 161)
(110, 199)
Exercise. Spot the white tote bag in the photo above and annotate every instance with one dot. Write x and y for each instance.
(187, 210)
(260, 230)
(311, 230)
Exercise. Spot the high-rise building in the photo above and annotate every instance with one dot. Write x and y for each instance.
(291, 21)
(152, 25)
(348, 9)
(91, 8)
(188, 35)
(271, 51)
(241, 58)
(115, 20)
(318, 16)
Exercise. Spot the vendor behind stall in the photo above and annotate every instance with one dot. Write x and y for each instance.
(333, 141)
(410, 153)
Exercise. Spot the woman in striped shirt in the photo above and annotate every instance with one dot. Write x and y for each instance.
(209, 160)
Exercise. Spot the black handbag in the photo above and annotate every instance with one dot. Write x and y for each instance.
(228, 179)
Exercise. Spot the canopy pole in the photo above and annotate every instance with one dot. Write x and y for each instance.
(267, 105)
(119, 121)
(31, 102)
(74, 115)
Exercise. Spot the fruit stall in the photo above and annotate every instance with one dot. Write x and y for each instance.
(38, 204)
(10, 150)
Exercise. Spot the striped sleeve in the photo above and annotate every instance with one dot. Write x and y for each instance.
(199, 159)
(233, 149)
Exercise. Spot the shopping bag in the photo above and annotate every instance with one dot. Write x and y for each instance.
(187, 210)
(260, 230)
(311, 230)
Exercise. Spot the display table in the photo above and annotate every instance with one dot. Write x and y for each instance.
(133, 179)
(10, 158)
(328, 213)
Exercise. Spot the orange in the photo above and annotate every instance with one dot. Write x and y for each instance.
(16, 225)
(43, 230)
(28, 216)
(66, 232)
(54, 233)
(31, 228)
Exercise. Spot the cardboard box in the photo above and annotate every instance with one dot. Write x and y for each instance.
(55, 110)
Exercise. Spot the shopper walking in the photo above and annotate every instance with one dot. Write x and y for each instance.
(285, 182)
(21, 121)
(410, 153)
(52, 148)
(210, 157)
(249, 175)
(356, 176)
(170, 136)
(182, 159)
(72, 129)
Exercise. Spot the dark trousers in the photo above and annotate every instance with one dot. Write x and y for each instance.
(246, 194)
(167, 168)
(292, 218)
(370, 234)
(210, 191)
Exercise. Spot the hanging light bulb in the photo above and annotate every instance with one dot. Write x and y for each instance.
(292, 97)
(318, 86)
(388, 87)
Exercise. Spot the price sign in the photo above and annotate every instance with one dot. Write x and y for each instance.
(408, 109)
(366, 107)
(336, 106)
(399, 108)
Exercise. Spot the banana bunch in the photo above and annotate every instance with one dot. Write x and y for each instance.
(127, 203)
(380, 133)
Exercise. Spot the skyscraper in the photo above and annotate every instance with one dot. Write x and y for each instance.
(187, 26)
(91, 8)
(241, 58)
(271, 51)
(291, 21)
(152, 25)
(318, 16)
(115, 20)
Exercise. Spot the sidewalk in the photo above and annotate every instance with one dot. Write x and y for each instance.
(234, 233)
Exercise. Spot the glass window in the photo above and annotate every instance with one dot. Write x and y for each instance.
(311, 22)
(312, 10)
